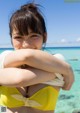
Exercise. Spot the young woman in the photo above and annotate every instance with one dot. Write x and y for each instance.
(27, 69)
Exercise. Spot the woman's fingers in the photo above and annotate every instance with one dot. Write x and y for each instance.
(69, 80)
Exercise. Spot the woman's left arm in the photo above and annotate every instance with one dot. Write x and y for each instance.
(47, 62)
(41, 60)
(37, 59)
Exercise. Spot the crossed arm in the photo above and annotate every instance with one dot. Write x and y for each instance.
(44, 65)
(16, 77)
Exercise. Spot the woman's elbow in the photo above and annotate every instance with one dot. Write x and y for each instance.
(69, 69)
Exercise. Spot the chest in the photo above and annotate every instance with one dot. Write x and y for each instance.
(23, 91)
(30, 90)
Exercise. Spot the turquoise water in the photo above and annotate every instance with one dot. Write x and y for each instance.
(68, 101)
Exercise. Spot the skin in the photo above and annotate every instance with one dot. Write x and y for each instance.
(37, 59)
(35, 76)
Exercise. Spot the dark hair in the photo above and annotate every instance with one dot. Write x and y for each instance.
(28, 17)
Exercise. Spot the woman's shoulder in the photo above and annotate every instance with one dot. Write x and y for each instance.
(5, 52)
(2, 57)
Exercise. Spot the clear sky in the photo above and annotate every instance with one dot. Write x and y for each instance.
(62, 21)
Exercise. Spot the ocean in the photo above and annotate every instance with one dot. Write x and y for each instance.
(68, 101)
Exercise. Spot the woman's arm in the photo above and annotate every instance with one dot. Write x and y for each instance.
(15, 77)
(41, 60)
(38, 59)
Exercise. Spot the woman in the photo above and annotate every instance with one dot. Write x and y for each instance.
(27, 68)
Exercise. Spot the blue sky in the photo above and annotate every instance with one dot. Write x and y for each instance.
(62, 21)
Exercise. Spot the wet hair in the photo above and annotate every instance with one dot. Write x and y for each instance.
(27, 18)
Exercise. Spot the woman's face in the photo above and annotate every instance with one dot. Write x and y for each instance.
(31, 41)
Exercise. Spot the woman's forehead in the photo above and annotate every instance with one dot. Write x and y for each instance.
(16, 31)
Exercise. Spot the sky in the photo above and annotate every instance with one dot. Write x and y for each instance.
(62, 19)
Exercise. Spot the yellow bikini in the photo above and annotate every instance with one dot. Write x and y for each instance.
(45, 99)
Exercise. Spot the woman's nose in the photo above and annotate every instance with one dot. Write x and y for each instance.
(26, 44)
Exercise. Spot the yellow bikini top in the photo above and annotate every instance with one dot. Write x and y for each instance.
(45, 99)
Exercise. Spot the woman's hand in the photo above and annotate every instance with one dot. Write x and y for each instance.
(69, 80)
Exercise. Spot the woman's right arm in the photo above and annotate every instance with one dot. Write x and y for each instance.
(15, 77)
(41, 60)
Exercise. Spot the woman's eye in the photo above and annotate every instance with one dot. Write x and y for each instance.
(34, 36)
(17, 37)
